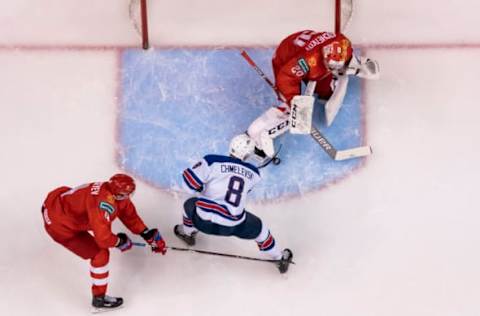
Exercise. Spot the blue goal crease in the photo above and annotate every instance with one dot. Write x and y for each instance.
(181, 104)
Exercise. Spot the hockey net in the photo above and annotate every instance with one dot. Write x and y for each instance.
(138, 12)
(343, 14)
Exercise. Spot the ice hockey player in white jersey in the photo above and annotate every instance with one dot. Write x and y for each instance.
(221, 184)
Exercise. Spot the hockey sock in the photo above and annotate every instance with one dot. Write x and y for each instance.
(99, 273)
(266, 243)
(188, 228)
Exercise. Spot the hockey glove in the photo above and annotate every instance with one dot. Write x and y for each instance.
(364, 68)
(124, 243)
(155, 240)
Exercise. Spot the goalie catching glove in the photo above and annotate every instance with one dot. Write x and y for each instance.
(155, 240)
(363, 67)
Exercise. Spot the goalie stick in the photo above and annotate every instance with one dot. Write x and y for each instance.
(355, 152)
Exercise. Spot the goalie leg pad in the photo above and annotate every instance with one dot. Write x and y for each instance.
(272, 122)
(301, 114)
(267, 144)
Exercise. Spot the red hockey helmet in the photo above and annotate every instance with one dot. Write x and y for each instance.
(337, 53)
(121, 186)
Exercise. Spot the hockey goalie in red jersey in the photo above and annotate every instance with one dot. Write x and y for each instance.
(309, 56)
(80, 219)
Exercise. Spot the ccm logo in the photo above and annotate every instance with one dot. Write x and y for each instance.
(294, 115)
(278, 128)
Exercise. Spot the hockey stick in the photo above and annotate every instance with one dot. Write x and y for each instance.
(274, 159)
(205, 252)
(355, 152)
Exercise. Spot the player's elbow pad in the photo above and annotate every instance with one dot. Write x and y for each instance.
(191, 182)
(189, 189)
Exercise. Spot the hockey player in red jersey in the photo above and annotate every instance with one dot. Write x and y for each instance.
(308, 55)
(80, 219)
(304, 56)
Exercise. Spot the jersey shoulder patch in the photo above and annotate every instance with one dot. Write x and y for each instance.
(303, 65)
(107, 207)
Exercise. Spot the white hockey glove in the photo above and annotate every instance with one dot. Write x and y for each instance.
(363, 67)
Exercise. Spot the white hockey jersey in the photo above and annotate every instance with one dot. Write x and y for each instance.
(223, 183)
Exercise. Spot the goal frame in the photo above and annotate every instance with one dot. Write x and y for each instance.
(144, 17)
(144, 20)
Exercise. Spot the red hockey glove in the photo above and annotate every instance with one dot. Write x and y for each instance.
(154, 239)
(124, 243)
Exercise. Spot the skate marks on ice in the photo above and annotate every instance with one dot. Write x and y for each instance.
(100, 310)
(179, 104)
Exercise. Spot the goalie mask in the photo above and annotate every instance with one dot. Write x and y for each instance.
(337, 54)
(241, 146)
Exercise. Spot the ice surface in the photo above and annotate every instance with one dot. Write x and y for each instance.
(399, 237)
(181, 104)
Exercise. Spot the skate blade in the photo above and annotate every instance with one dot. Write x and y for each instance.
(98, 310)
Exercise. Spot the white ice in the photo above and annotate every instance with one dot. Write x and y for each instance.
(399, 237)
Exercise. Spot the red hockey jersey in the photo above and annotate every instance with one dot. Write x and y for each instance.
(92, 207)
(299, 57)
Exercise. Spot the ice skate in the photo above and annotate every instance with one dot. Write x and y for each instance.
(189, 240)
(285, 261)
(106, 303)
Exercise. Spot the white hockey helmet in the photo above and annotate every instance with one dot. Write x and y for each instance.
(241, 146)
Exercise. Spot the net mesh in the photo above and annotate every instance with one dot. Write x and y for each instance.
(346, 11)
(134, 13)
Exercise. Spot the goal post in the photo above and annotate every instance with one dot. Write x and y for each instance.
(138, 12)
(143, 12)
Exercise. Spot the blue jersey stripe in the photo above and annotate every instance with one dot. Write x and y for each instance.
(198, 189)
(194, 176)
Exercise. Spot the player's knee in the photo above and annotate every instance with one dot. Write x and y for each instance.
(101, 258)
(253, 226)
(189, 206)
